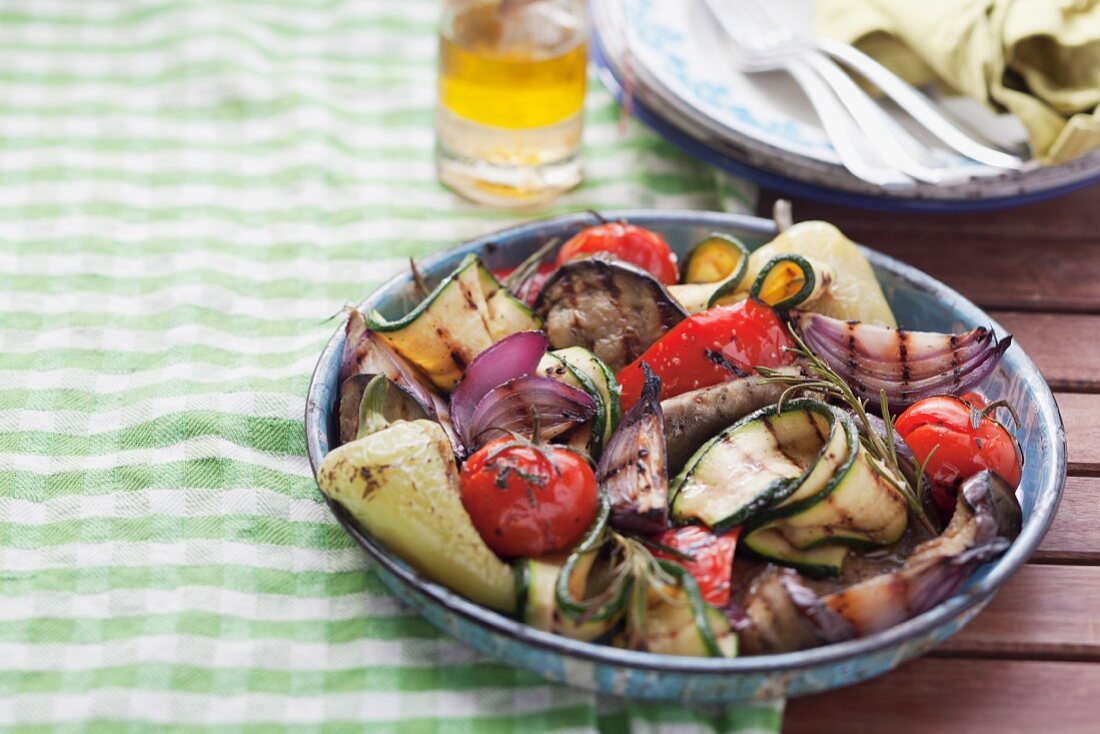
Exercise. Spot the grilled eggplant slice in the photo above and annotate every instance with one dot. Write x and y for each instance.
(633, 469)
(694, 417)
(609, 307)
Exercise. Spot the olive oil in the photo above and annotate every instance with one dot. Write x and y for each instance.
(510, 99)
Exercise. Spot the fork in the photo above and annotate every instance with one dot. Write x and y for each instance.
(763, 49)
(787, 40)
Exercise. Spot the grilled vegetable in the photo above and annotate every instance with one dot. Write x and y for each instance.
(706, 556)
(580, 368)
(587, 437)
(786, 615)
(986, 520)
(717, 345)
(517, 355)
(801, 472)
(537, 580)
(633, 470)
(717, 258)
(907, 365)
(401, 485)
(787, 281)
(588, 594)
(671, 618)
(454, 323)
(366, 353)
(856, 506)
(693, 417)
(390, 401)
(529, 405)
(641, 247)
(854, 294)
(507, 314)
(821, 562)
(715, 273)
(446, 331)
(609, 307)
(527, 499)
(954, 439)
(757, 463)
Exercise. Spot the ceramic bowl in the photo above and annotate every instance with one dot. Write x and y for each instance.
(919, 301)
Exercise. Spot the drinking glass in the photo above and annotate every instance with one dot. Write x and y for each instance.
(509, 112)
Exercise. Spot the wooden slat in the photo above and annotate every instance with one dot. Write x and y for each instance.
(1047, 612)
(1039, 257)
(959, 697)
(1080, 415)
(1064, 346)
(1074, 536)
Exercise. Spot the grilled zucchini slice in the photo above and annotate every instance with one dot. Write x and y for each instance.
(788, 281)
(464, 315)
(754, 464)
(821, 562)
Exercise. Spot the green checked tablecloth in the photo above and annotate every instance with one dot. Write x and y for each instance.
(188, 190)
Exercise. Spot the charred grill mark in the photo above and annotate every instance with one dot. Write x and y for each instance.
(606, 279)
(956, 372)
(852, 360)
(811, 417)
(458, 359)
(720, 360)
(779, 445)
(903, 355)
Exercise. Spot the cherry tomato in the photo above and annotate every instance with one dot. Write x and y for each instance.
(945, 424)
(642, 247)
(712, 558)
(526, 499)
(712, 346)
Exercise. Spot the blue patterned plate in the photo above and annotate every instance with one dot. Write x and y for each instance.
(919, 301)
(689, 91)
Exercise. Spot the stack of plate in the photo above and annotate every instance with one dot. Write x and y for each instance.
(671, 56)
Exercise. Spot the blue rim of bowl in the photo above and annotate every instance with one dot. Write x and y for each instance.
(973, 595)
(794, 187)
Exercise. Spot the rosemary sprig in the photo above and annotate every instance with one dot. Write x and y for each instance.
(885, 461)
(517, 280)
(633, 570)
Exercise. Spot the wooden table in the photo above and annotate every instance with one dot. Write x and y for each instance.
(1031, 661)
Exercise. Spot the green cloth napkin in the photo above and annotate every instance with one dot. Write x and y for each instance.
(188, 192)
(1038, 59)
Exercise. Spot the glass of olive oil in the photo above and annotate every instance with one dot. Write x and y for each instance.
(510, 100)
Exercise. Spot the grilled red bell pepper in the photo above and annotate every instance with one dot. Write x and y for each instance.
(711, 555)
(712, 346)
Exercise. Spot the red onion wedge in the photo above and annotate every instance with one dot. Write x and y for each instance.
(516, 405)
(907, 365)
(633, 468)
(355, 331)
(516, 355)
